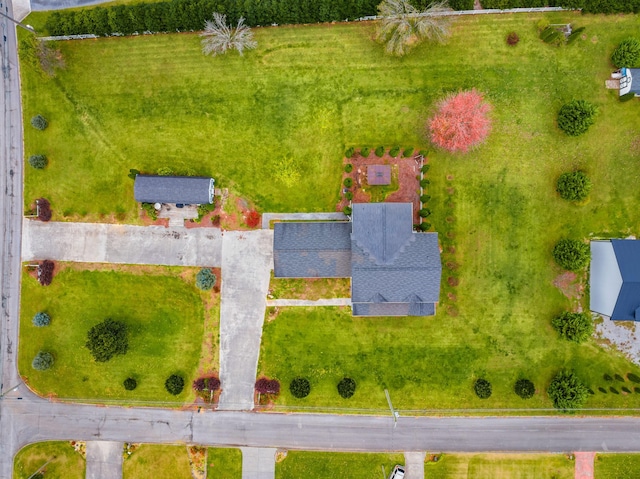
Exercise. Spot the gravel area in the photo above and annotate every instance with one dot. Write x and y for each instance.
(620, 335)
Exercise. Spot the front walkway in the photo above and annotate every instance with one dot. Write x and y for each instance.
(127, 244)
(258, 463)
(247, 260)
(104, 460)
(584, 465)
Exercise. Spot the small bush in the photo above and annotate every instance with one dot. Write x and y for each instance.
(205, 279)
(633, 378)
(42, 361)
(133, 173)
(348, 182)
(348, 195)
(576, 327)
(268, 386)
(150, 210)
(627, 54)
(407, 152)
(425, 168)
(39, 122)
(346, 387)
(350, 151)
(130, 384)
(425, 198)
(619, 378)
(106, 339)
(574, 35)
(300, 388)
(347, 210)
(524, 388)
(174, 384)
(482, 388)
(45, 272)
(364, 152)
(38, 161)
(636, 390)
(165, 171)
(566, 391)
(203, 210)
(206, 383)
(424, 183)
(572, 255)
(379, 151)
(573, 186)
(627, 97)
(512, 39)
(41, 319)
(602, 390)
(626, 389)
(424, 226)
(423, 153)
(44, 209)
(348, 168)
(394, 151)
(424, 213)
(607, 377)
(576, 117)
(614, 390)
(253, 219)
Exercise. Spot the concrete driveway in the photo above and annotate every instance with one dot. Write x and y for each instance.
(104, 460)
(128, 244)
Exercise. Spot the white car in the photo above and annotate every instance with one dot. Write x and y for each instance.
(398, 472)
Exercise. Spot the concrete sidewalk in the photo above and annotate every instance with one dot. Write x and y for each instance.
(126, 244)
(104, 460)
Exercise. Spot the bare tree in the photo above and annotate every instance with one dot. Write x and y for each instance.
(220, 37)
(403, 25)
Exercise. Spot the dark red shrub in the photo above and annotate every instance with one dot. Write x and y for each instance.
(253, 219)
(268, 386)
(45, 272)
(207, 383)
(513, 39)
(44, 209)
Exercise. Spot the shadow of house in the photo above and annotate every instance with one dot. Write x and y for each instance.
(394, 271)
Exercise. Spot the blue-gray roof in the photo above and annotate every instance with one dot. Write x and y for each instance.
(188, 190)
(635, 83)
(628, 257)
(312, 250)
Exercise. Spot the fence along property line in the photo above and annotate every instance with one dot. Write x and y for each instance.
(452, 13)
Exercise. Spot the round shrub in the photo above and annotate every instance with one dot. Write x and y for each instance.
(627, 54)
(348, 182)
(267, 386)
(571, 254)
(407, 152)
(424, 226)
(573, 186)
(576, 117)
(346, 387)
(38, 161)
(350, 151)
(205, 279)
(524, 388)
(208, 383)
(425, 167)
(348, 195)
(634, 378)
(174, 384)
(424, 183)
(423, 153)
(425, 198)
(567, 391)
(348, 168)
(39, 122)
(45, 272)
(394, 151)
(347, 210)
(106, 339)
(424, 213)
(576, 327)
(364, 152)
(300, 388)
(42, 361)
(130, 384)
(44, 209)
(482, 388)
(41, 319)
(379, 151)
(512, 39)
(607, 377)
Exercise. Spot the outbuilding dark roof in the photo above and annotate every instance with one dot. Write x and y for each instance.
(188, 190)
(379, 174)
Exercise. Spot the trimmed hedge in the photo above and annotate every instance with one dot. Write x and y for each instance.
(174, 384)
(300, 388)
(348, 167)
(346, 387)
(364, 152)
(348, 182)
(482, 388)
(379, 151)
(394, 151)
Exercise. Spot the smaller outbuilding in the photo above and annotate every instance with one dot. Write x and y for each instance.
(378, 175)
(179, 190)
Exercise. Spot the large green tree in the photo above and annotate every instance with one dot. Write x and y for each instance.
(106, 339)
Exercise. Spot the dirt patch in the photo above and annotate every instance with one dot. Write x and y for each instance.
(570, 285)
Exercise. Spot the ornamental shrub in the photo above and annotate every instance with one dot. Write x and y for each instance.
(174, 384)
(566, 391)
(150, 209)
(38, 161)
(44, 209)
(482, 388)
(627, 97)
(607, 377)
(41, 319)
(512, 39)
(570, 254)
(207, 383)
(394, 151)
(524, 388)
(347, 210)
(364, 152)
(205, 279)
(165, 171)
(39, 122)
(106, 339)
(348, 182)
(268, 386)
(348, 168)
(627, 54)
(45, 272)
(425, 168)
(576, 327)
(407, 152)
(634, 378)
(576, 117)
(130, 384)
(300, 388)
(346, 387)
(424, 183)
(574, 35)
(573, 186)
(379, 151)
(425, 198)
(424, 213)
(424, 226)
(348, 195)
(617, 377)
(42, 361)
(350, 151)
(253, 219)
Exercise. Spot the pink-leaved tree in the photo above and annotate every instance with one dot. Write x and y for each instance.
(461, 122)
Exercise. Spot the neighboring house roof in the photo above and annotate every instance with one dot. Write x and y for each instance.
(188, 190)
(394, 271)
(615, 279)
(379, 175)
(312, 250)
(630, 81)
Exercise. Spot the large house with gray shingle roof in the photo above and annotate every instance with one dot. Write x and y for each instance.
(394, 271)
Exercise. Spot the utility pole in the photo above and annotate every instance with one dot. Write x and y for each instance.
(26, 27)
(394, 413)
(10, 390)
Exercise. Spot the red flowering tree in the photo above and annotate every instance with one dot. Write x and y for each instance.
(461, 122)
(252, 219)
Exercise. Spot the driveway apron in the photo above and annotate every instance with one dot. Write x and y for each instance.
(104, 460)
(258, 463)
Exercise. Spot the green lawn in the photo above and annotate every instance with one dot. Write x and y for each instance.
(323, 465)
(59, 459)
(152, 461)
(223, 463)
(617, 466)
(500, 466)
(164, 315)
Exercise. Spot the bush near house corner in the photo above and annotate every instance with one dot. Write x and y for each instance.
(576, 327)
(627, 54)
(571, 254)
